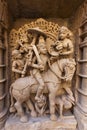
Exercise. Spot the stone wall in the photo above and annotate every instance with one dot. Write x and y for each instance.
(79, 26)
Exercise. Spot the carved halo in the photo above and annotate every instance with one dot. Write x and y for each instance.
(49, 30)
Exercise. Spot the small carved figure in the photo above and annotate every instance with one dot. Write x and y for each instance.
(64, 42)
(41, 105)
(64, 45)
(27, 51)
(18, 64)
(63, 102)
(65, 48)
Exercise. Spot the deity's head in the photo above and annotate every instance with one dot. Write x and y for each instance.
(64, 32)
(42, 45)
(42, 101)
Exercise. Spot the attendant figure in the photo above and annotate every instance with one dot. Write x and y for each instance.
(18, 64)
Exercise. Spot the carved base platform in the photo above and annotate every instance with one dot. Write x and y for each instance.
(42, 123)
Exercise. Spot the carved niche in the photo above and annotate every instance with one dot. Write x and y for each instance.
(43, 67)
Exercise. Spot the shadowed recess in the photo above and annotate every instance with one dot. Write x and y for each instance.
(43, 8)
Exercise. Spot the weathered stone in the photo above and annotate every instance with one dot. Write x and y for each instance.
(42, 123)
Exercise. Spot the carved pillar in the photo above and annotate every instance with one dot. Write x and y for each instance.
(81, 109)
(3, 82)
(3, 65)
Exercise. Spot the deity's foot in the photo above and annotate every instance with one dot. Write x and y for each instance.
(53, 117)
(24, 119)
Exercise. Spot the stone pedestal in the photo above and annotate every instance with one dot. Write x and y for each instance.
(42, 123)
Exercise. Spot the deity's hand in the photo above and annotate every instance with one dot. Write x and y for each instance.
(61, 54)
(23, 49)
(59, 47)
(68, 79)
(63, 78)
(52, 58)
(29, 63)
(23, 72)
(30, 47)
(41, 67)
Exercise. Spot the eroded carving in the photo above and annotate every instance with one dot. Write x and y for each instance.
(43, 64)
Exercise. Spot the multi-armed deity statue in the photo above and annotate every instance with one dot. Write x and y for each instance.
(43, 68)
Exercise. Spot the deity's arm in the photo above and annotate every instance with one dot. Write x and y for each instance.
(58, 42)
(14, 68)
(34, 64)
(67, 53)
(37, 54)
(38, 66)
(23, 47)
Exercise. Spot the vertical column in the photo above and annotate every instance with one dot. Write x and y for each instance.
(81, 108)
(3, 109)
(3, 63)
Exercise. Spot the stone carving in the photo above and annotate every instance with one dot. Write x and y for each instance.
(18, 64)
(44, 66)
(63, 102)
(41, 105)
